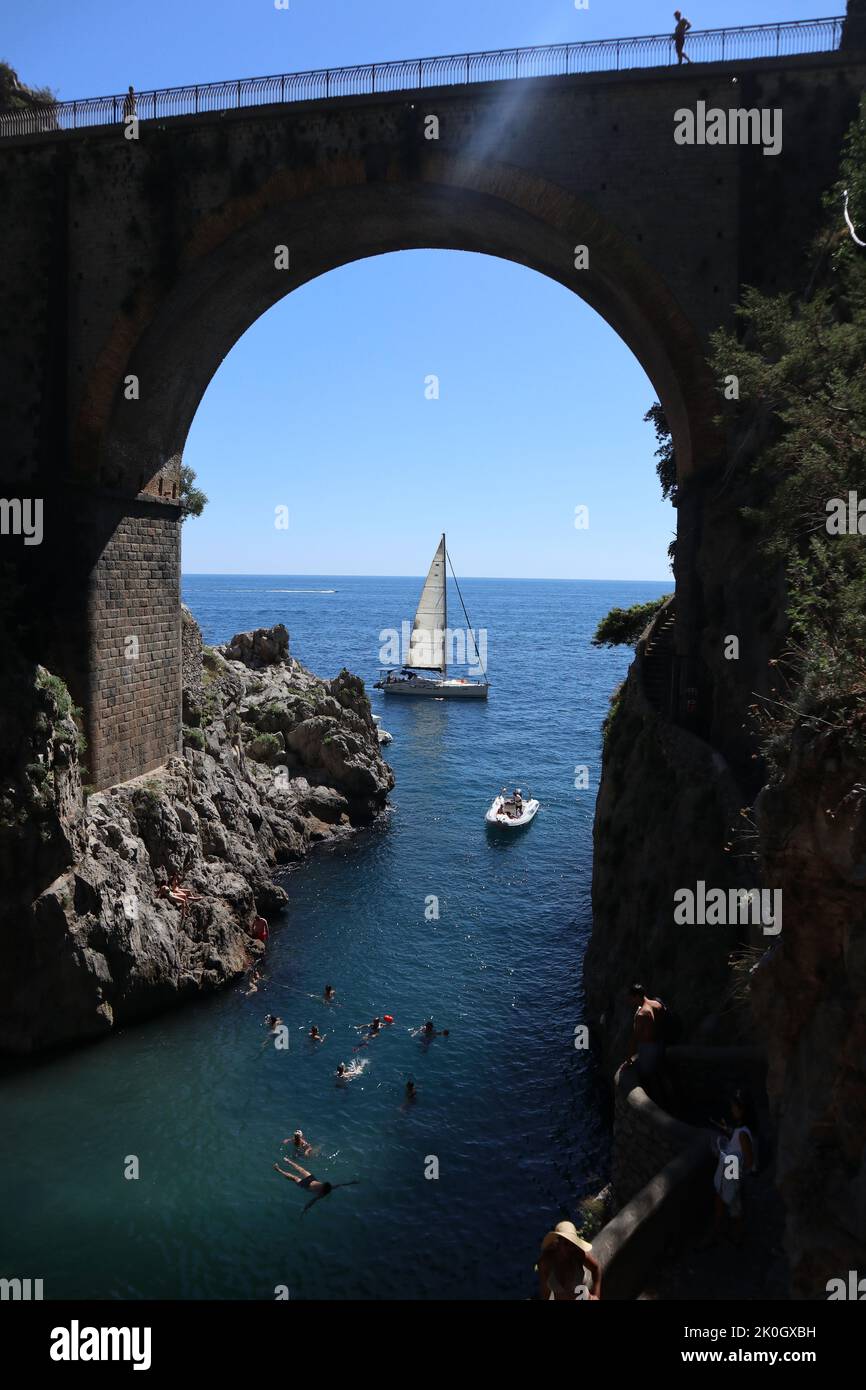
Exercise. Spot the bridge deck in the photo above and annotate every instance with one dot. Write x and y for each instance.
(752, 41)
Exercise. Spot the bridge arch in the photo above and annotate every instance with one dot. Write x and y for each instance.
(226, 278)
(174, 332)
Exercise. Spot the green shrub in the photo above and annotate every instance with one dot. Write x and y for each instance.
(801, 368)
(266, 748)
(58, 688)
(623, 626)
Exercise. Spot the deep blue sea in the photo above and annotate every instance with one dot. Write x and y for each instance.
(506, 1106)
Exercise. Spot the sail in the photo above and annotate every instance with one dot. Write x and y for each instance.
(427, 643)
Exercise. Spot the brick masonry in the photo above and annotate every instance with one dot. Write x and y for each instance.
(134, 613)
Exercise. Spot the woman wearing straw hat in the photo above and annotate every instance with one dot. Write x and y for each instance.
(567, 1272)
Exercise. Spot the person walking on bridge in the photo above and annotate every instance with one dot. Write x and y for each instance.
(683, 26)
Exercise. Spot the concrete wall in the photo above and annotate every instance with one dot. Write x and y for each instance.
(151, 257)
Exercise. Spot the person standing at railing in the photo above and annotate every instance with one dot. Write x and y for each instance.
(683, 26)
(129, 103)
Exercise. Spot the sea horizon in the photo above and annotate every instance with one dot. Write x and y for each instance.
(326, 574)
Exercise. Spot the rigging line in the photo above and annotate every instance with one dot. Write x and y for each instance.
(850, 223)
(465, 614)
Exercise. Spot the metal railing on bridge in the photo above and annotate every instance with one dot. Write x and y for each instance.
(418, 74)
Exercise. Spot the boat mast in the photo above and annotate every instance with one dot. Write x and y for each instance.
(444, 607)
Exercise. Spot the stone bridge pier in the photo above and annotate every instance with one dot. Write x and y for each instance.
(132, 266)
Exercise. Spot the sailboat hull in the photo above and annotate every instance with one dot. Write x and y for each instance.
(433, 689)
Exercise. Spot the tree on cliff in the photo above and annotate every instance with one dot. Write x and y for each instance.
(666, 463)
(192, 500)
(14, 93)
(623, 626)
(801, 365)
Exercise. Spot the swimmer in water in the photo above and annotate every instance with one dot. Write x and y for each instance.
(253, 983)
(330, 994)
(315, 1036)
(272, 1022)
(348, 1073)
(411, 1090)
(311, 1184)
(372, 1030)
(428, 1031)
(300, 1142)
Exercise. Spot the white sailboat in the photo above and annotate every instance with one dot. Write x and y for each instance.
(425, 671)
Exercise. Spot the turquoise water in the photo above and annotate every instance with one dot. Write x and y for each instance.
(505, 1104)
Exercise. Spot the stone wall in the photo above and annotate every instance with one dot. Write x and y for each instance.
(674, 1201)
(134, 645)
(645, 1137)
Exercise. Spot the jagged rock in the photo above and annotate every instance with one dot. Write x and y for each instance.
(87, 943)
(192, 672)
(267, 646)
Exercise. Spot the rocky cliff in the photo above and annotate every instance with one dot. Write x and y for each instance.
(274, 761)
(808, 1003)
(668, 814)
(670, 811)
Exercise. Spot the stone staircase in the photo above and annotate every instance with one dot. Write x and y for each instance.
(658, 662)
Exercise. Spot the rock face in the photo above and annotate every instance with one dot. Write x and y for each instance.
(664, 815)
(674, 808)
(808, 1001)
(275, 760)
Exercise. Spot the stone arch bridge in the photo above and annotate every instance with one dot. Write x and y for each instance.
(148, 257)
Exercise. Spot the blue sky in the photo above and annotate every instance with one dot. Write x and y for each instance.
(320, 407)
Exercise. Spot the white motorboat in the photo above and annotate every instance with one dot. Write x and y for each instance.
(509, 814)
(425, 671)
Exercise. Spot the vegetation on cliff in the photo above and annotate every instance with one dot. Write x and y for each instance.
(800, 420)
(14, 93)
(192, 500)
(623, 626)
(666, 463)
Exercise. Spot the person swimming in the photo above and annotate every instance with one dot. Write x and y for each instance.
(300, 1142)
(311, 1184)
(428, 1030)
(329, 994)
(272, 1022)
(315, 1036)
(371, 1029)
(348, 1073)
(411, 1090)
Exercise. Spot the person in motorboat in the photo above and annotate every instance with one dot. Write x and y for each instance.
(518, 803)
